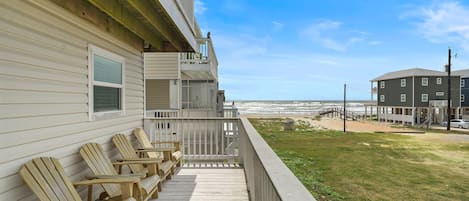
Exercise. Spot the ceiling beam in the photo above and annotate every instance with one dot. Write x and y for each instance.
(118, 12)
(154, 17)
(90, 13)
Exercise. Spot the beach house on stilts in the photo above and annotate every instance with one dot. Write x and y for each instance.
(416, 96)
(74, 87)
(464, 110)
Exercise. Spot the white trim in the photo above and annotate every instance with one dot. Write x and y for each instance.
(107, 84)
(462, 98)
(382, 84)
(424, 81)
(439, 80)
(144, 88)
(382, 98)
(403, 98)
(462, 83)
(92, 50)
(403, 82)
(422, 99)
(413, 91)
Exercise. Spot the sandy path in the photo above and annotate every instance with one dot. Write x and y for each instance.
(369, 126)
(356, 126)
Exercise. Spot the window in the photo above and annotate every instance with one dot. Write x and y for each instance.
(106, 83)
(439, 93)
(463, 84)
(403, 98)
(381, 98)
(382, 85)
(424, 98)
(198, 94)
(438, 80)
(462, 98)
(425, 81)
(403, 82)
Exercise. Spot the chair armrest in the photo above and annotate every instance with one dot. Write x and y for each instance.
(135, 161)
(111, 180)
(113, 176)
(155, 149)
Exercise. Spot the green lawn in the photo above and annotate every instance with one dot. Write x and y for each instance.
(366, 166)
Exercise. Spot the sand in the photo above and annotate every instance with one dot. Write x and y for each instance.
(355, 126)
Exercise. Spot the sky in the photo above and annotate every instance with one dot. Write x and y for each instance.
(308, 49)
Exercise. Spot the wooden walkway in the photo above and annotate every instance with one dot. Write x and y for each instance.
(205, 184)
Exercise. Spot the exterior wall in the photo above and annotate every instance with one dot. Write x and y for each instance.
(432, 88)
(159, 65)
(44, 92)
(157, 94)
(465, 92)
(392, 91)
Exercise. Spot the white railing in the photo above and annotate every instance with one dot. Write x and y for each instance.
(268, 178)
(230, 112)
(235, 141)
(202, 139)
(396, 117)
(206, 55)
(162, 113)
(198, 113)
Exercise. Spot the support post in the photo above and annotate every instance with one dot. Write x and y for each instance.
(345, 105)
(448, 128)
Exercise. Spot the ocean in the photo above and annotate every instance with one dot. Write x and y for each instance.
(294, 107)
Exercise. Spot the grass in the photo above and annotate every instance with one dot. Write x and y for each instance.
(366, 166)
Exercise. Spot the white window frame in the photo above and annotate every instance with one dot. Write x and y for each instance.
(381, 98)
(92, 50)
(403, 82)
(463, 83)
(462, 98)
(424, 81)
(439, 93)
(439, 80)
(422, 99)
(382, 84)
(403, 98)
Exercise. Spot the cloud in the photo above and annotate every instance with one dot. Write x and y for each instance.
(442, 22)
(375, 42)
(322, 32)
(277, 25)
(199, 7)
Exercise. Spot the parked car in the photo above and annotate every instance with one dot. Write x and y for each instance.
(457, 123)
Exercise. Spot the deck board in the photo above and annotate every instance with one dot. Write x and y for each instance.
(205, 184)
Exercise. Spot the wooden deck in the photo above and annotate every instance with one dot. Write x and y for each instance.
(205, 184)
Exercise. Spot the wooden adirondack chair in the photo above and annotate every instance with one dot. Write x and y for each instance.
(102, 167)
(46, 178)
(128, 152)
(173, 155)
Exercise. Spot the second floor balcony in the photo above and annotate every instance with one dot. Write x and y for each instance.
(202, 65)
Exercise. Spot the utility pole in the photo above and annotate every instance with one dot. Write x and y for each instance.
(345, 104)
(448, 128)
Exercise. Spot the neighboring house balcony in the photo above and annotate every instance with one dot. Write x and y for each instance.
(202, 65)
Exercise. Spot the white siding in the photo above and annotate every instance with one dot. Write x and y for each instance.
(160, 65)
(43, 91)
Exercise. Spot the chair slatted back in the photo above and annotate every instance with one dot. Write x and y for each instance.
(100, 164)
(127, 151)
(46, 178)
(142, 138)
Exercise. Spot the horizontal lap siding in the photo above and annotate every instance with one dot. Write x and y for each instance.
(44, 92)
(161, 65)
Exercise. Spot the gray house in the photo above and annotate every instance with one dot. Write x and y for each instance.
(416, 95)
(464, 91)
